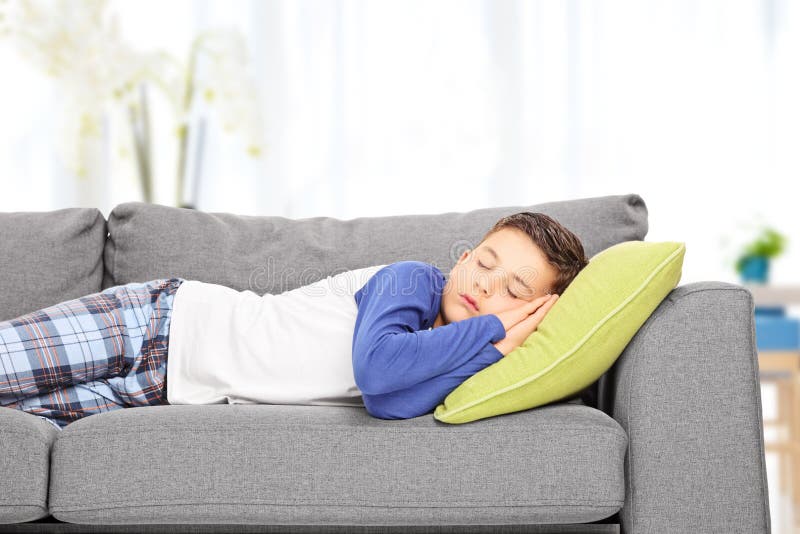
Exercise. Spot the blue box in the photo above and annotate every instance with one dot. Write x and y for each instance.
(776, 332)
(771, 311)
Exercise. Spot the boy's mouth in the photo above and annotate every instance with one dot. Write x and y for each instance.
(470, 302)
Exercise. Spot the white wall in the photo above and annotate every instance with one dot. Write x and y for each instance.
(389, 107)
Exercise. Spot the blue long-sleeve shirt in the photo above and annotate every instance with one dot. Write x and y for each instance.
(403, 367)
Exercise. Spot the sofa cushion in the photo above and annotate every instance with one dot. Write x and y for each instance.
(24, 465)
(48, 257)
(336, 465)
(581, 336)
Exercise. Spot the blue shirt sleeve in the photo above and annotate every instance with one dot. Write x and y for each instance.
(423, 398)
(393, 352)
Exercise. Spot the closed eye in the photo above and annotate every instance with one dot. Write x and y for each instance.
(482, 266)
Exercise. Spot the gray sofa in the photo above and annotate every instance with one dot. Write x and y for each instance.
(668, 440)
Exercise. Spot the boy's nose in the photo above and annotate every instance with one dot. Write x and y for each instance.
(487, 285)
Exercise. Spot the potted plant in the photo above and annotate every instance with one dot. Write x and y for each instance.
(753, 262)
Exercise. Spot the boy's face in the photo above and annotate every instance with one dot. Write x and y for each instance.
(489, 279)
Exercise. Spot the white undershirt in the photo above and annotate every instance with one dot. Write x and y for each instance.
(236, 347)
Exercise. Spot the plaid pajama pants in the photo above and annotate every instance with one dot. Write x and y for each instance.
(93, 354)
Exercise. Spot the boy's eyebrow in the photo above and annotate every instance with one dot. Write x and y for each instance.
(516, 276)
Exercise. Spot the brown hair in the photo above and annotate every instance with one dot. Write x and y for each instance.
(563, 248)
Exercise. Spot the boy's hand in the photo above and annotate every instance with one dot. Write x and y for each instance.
(531, 315)
(511, 317)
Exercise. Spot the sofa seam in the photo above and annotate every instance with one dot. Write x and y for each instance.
(113, 270)
(615, 432)
(405, 504)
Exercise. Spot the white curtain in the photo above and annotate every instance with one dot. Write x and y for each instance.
(378, 107)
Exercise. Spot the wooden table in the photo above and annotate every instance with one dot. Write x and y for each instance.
(782, 368)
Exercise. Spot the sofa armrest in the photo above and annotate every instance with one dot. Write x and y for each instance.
(686, 390)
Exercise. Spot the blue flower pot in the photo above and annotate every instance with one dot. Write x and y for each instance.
(755, 269)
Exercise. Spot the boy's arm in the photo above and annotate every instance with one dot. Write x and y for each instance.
(391, 353)
(422, 398)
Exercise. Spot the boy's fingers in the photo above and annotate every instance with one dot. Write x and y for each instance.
(551, 299)
(543, 300)
(526, 310)
(537, 317)
(535, 303)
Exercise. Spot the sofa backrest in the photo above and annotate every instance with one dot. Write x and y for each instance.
(47, 257)
(269, 254)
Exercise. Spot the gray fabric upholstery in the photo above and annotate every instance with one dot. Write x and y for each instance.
(274, 254)
(25, 442)
(686, 391)
(48, 257)
(337, 465)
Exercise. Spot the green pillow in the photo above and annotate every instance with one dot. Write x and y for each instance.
(579, 339)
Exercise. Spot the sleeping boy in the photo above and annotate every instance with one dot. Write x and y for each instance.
(393, 338)
(411, 350)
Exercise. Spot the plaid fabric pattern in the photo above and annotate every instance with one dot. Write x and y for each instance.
(93, 354)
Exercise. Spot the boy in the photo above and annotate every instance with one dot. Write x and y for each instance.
(349, 339)
(494, 299)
